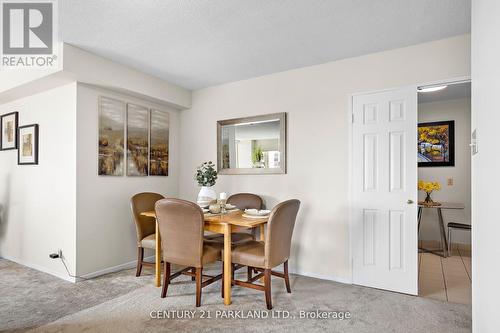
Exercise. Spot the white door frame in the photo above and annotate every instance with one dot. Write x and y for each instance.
(350, 110)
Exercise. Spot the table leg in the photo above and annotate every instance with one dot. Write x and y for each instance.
(262, 239)
(419, 219)
(227, 264)
(442, 232)
(158, 257)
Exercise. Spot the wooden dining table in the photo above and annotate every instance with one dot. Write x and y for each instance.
(226, 224)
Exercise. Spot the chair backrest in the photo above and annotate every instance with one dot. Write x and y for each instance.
(279, 232)
(180, 224)
(142, 202)
(245, 201)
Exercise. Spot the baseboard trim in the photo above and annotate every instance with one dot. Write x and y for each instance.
(345, 280)
(63, 276)
(127, 265)
(132, 264)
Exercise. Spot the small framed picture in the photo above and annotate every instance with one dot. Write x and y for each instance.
(8, 126)
(436, 144)
(28, 145)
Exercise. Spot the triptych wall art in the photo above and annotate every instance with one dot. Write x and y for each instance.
(133, 139)
(22, 138)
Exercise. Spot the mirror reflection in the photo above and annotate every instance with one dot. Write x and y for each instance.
(254, 144)
(251, 145)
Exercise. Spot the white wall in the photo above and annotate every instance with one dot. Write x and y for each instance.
(38, 202)
(102, 234)
(485, 166)
(316, 99)
(89, 68)
(11, 79)
(106, 235)
(460, 192)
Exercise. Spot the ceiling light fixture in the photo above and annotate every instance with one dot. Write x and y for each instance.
(431, 89)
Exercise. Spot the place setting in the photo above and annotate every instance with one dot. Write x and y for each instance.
(220, 207)
(256, 213)
(217, 207)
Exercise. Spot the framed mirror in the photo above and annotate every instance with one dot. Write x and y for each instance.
(252, 145)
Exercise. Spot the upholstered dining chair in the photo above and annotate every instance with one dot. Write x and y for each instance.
(242, 201)
(180, 224)
(264, 256)
(145, 226)
(245, 201)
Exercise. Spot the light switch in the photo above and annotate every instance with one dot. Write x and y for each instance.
(450, 181)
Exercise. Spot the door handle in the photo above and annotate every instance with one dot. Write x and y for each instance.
(409, 202)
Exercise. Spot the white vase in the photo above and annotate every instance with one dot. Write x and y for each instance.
(206, 195)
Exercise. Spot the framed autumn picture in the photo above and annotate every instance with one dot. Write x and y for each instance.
(436, 144)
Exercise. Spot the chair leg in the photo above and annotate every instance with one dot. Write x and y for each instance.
(166, 279)
(249, 273)
(233, 266)
(287, 279)
(198, 286)
(267, 286)
(193, 270)
(140, 258)
(449, 241)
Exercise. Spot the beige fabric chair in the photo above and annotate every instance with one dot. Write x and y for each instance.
(145, 226)
(245, 201)
(242, 201)
(181, 225)
(264, 256)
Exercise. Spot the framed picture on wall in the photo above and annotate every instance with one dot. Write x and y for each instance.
(9, 127)
(137, 140)
(158, 154)
(111, 161)
(28, 146)
(436, 144)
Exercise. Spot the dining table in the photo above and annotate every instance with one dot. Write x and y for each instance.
(222, 223)
(439, 209)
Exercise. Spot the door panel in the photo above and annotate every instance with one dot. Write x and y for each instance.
(370, 162)
(369, 228)
(396, 240)
(384, 190)
(397, 160)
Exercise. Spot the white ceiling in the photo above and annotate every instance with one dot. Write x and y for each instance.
(199, 43)
(453, 91)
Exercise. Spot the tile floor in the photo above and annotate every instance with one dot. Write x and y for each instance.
(446, 279)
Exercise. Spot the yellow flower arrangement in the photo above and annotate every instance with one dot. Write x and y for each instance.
(428, 188)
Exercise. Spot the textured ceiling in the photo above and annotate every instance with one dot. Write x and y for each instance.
(200, 43)
(453, 91)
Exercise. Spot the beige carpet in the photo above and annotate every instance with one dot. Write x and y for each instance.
(371, 310)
